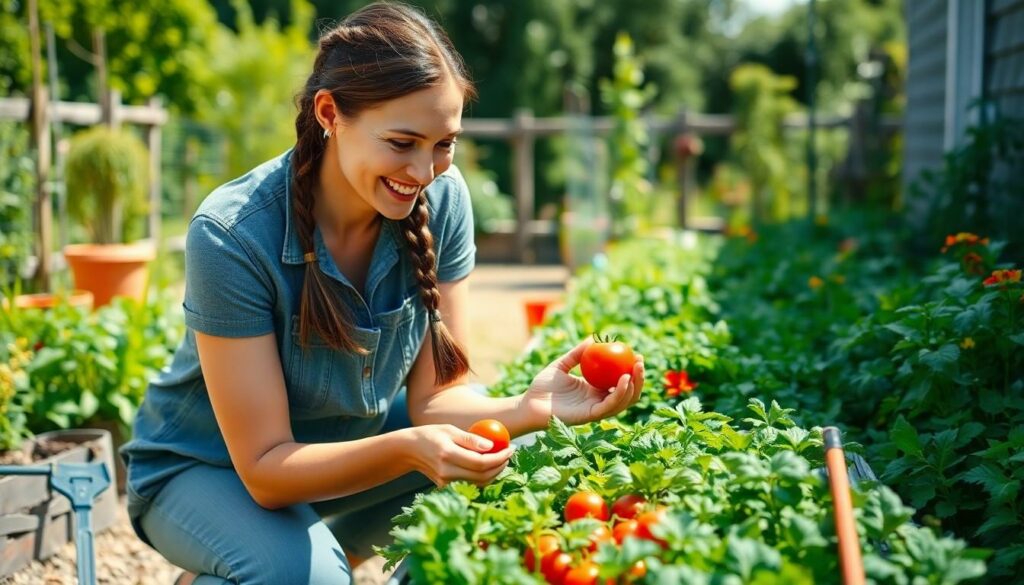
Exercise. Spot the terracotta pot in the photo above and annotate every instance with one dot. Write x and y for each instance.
(77, 298)
(109, 270)
(536, 309)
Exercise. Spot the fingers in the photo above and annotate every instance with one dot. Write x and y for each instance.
(618, 399)
(470, 441)
(572, 359)
(638, 379)
(467, 465)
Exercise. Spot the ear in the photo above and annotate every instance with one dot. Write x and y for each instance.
(327, 113)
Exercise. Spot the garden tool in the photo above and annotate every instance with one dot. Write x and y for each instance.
(80, 483)
(850, 562)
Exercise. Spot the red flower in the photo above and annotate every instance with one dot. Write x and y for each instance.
(1002, 276)
(678, 382)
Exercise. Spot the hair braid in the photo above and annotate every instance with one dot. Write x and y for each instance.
(450, 361)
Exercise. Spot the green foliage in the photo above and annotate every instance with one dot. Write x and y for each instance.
(85, 366)
(17, 193)
(106, 174)
(978, 187)
(491, 207)
(744, 503)
(254, 76)
(631, 195)
(762, 103)
(154, 47)
(14, 356)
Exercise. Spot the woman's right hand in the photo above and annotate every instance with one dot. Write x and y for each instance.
(446, 453)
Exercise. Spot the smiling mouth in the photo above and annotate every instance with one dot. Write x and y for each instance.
(402, 191)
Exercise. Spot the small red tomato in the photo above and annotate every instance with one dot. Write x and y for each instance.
(555, 567)
(599, 535)
(637, 571)
(603, 363)
(493, 431)
(628, 506)
(547, 544)
(586, 505)
(646, 521)
(585, 573)
(624, 529)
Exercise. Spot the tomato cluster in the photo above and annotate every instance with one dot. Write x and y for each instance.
(630, 516)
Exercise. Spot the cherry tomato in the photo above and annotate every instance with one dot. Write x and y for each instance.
(585, 573)
(547, 544)
(624, 529)
(493, 431)
(637, 571)
(586, 504)
(646, 521)
(599, 535)
(628, 506)
(555, 567)
(603, 363)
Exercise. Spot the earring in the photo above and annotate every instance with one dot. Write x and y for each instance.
(327, 133)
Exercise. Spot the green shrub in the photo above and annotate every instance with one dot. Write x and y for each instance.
(106, 177)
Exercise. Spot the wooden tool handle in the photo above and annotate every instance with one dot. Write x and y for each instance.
(850, 562)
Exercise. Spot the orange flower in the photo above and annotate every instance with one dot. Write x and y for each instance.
(966, 238)
(678, 382)
(815, 282)
(1002, 277)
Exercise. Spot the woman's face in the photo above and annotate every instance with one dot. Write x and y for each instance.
(388, 154)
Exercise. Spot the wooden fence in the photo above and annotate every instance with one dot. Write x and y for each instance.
(523, 129)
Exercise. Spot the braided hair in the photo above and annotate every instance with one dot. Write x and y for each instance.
(381, 52)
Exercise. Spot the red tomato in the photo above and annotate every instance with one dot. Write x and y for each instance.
(624, 529)
(603, 363)
(628, 506)
(646, 521)
(555, 566)
(584, 574)
(637, 571)
(584, 505)
(493, 431)
(599, 535)
(547, 545)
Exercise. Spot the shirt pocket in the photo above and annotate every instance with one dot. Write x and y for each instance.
(325, 382)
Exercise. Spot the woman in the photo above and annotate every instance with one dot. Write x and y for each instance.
(276, 447)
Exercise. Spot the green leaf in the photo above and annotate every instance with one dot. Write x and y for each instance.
(545, 477)
(1018, 338)
(88, 404)
(941, 359)
(905, 437)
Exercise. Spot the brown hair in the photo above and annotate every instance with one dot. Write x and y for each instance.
(381, 52)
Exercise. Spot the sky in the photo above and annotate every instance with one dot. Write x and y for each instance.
(771, 6)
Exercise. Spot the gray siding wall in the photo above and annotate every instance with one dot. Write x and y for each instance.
(1004, 79)
(926, 85)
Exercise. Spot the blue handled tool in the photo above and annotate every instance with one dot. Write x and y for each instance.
(80, 483)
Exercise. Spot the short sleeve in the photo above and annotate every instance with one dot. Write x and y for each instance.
(456, 253)
(226, 294)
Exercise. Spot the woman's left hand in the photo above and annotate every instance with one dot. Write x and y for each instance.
(557, 392)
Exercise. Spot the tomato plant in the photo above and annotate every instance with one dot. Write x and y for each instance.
(555, 566)
(646, 521)
(493, 431)
(605, 361)
(586, 505)
(624, 529)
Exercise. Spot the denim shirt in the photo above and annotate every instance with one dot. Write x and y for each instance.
(243, 277)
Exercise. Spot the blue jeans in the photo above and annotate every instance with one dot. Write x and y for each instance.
(205, 521)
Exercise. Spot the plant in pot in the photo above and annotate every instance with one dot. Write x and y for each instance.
(106, 178)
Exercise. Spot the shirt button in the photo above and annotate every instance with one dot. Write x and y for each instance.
(366, 372)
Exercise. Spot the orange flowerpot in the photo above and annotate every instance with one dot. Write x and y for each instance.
(110, 270)
(536, 310)
(77, 298)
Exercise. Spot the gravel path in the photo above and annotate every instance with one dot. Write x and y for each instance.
(498, 335)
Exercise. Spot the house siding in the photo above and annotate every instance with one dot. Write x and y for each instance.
(927, 37)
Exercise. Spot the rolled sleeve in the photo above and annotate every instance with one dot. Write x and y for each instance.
(456, 255)
(226, 294)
